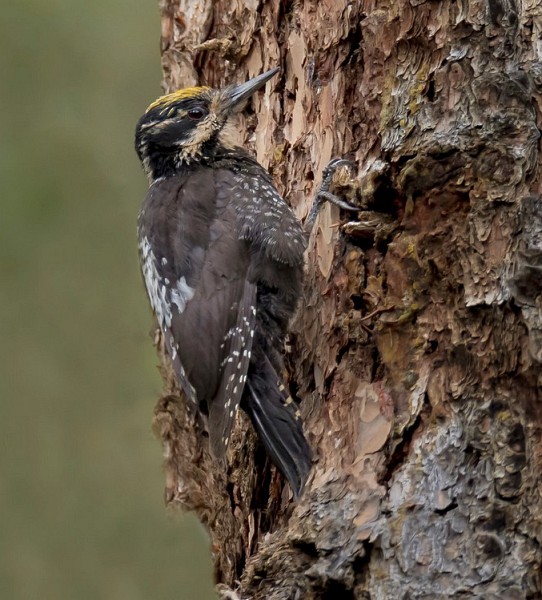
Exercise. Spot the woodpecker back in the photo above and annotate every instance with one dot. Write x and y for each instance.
(222, 259)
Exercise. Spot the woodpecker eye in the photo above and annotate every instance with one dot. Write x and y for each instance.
(196, 114)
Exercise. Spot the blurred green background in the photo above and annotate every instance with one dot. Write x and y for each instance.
(81, 504)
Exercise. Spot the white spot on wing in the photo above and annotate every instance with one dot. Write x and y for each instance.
(158, 293)
(181, 294)
(161, 294)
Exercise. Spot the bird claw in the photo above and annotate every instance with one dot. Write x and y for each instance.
(337, 201)
(324, 195)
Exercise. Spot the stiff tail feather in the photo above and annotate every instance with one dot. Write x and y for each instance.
(278, 427)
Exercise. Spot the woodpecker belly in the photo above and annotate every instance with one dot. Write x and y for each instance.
(222, 259)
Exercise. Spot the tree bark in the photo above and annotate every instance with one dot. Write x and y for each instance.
(417, 349)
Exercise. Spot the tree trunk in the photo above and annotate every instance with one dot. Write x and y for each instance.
(417, 349)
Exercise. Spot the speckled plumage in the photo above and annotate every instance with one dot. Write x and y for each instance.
(222, 259)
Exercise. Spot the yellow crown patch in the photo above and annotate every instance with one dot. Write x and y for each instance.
(168, 99)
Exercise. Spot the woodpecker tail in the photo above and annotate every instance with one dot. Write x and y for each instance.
(275, 418)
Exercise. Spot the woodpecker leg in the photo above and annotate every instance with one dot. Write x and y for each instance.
(323, 194)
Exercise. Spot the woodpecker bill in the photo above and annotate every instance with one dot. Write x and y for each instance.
(222, 258)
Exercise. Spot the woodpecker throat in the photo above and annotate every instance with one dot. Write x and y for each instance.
(222, 259)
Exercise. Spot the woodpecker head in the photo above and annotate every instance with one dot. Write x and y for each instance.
(184, 126)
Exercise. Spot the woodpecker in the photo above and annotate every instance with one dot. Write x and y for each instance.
(222, 259)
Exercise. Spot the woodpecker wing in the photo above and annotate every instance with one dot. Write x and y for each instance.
(195, 266)
(237, 352)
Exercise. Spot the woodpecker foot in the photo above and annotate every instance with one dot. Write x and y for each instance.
(323, 194)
